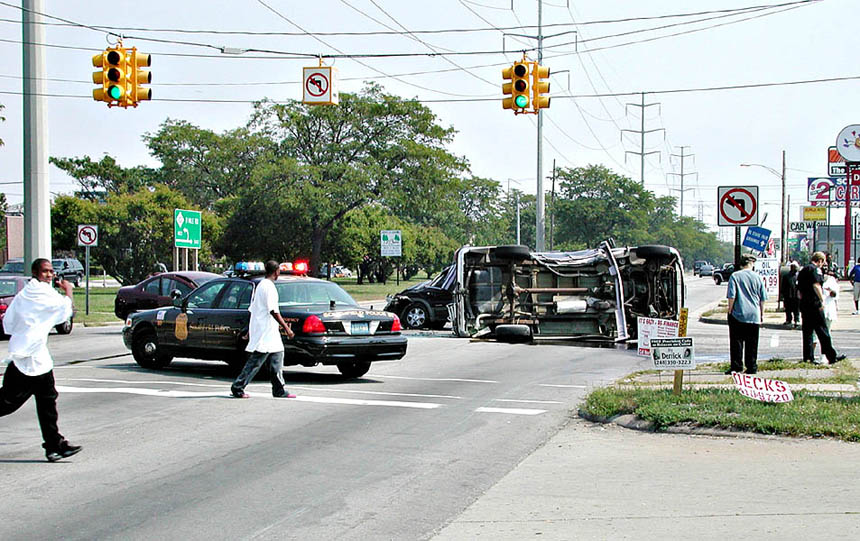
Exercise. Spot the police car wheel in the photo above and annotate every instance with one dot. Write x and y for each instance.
(146, 351)
(353, 370)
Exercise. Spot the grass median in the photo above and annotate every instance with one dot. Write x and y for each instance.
(101, 306)
(808, 414)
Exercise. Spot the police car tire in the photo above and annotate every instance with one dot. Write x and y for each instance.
(353, 370)
(139, 343)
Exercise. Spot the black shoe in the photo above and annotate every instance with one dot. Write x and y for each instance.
(728, 372)
(840, 357)
(66, 450)
(750, 371)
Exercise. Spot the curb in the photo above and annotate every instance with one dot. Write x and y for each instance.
(634, 422)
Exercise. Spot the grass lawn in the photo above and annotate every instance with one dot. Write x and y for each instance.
(101, 306)
(806, 415)
(369, 292)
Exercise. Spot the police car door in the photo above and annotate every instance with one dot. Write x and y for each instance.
(229, 321)
(191, 321)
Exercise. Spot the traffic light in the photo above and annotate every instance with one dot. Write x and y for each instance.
(113, 76)
(540, 86)
(121, 77)
(518, 88)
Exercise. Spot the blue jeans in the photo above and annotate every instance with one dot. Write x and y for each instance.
(255, 361)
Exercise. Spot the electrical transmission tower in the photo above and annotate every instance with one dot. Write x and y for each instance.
(641, 131)
(700, 214)
(682, 174)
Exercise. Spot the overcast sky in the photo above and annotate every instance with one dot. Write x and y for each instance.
(722, 128)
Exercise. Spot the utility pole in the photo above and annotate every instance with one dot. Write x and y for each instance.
(540, 220)
(552, 210)
(782, 242)
(641, 131)
(682, 175)
(37, 208)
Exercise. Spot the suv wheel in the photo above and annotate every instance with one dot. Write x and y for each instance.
(717, 279)
(77, 279)
(415, 316)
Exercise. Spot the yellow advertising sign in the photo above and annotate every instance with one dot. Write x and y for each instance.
(814, 214)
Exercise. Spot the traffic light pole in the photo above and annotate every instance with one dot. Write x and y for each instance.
(37, 208)
(540, 219)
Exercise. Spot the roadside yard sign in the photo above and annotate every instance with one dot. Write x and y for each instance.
(673, 353)
(756, 238)
(649, 328)
(737, 206)
(768, 269)
(186, 228)
(762, 389)
(390, 243)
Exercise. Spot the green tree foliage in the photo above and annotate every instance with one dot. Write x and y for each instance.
(105, 177)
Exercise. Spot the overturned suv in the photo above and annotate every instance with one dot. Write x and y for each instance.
(511, 293)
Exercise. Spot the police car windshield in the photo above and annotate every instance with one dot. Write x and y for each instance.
(312, 293)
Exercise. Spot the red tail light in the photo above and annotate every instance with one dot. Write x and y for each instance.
(3, 308)
(395, 325)
(313, 325)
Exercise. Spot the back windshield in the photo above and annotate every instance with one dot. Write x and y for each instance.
(312, 293)
(13, 266)
(8, 288)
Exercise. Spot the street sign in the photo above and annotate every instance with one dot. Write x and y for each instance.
(390, 242)
(835, 163)
(186, 228)
(756, 238)
(768, 269)
(814, 214)
(737, 205)
(320, 86)
(673, 354)
(848, 143)
(798, 227)
(88, 235)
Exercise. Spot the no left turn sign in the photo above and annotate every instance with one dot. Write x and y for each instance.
(737, 205)
(88, 235)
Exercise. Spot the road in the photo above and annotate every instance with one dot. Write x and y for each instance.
(394, 455)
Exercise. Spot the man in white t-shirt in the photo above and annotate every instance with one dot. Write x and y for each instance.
(264, 343)
(31, 315)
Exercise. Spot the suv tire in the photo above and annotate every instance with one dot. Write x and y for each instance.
(514, 252)
(415, 316)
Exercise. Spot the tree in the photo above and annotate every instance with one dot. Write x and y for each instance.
(105, 177)
(371, 148)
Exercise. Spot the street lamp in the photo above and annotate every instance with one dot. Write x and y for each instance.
(782, 243)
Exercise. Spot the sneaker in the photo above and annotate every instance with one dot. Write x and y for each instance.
(65, 451)
(240, 394)
(855, 312)
(286, 394)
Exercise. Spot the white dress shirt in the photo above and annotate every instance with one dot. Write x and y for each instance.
(31, 315)
(264, 330)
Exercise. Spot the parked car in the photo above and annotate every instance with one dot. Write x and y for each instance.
(13, 266)
(706, 270)
(425, 305)
(212, 323)
(155, 291)
(9, 287)
(337, 271)
(722, 275)
(511, 293)
(69, 269)
(698, 265)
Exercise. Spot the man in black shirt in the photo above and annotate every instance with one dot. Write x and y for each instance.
(788, 288)
(811, 300)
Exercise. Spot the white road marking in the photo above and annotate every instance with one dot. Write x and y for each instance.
(194, 394)
(563, 386)
(528, 401)
(511, 411)
(438, 379)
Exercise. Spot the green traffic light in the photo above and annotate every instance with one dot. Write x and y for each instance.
(114, 92)
(522, 101)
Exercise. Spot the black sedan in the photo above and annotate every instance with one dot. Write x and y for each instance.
(212, 323)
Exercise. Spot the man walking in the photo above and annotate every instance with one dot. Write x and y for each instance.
(264, 343)
(854, 276)
(746, 294)
(33, 312)
(811, 294)
(789, 295)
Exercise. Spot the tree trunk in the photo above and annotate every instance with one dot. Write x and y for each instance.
(317, 241)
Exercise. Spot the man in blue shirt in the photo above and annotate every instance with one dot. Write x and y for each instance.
(746, 294)
(854, 276)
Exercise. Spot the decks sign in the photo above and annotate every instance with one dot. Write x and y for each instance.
(762, 389)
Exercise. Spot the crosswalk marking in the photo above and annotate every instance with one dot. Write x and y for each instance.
(438, 379)
(512, 411)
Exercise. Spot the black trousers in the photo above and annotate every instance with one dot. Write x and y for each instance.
(813, 322)
(743, 345)
(792, 310)
(18, 388)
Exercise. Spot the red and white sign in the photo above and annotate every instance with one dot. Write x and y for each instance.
(737, 205)
(88, 235)
(768, 269)
(762, 389)
(835, 163)
(650, 327)
(320, 86)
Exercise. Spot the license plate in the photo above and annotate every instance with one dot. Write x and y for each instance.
(360, 327)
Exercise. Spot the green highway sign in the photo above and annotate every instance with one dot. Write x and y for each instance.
(186, 228)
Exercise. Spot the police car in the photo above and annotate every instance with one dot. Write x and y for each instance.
(212, 321)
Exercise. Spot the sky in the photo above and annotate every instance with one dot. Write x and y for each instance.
(600, 60)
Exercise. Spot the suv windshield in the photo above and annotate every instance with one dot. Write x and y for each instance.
(308, 293)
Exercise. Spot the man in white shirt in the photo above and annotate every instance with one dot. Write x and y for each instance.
(33, 312)
(264, 343)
